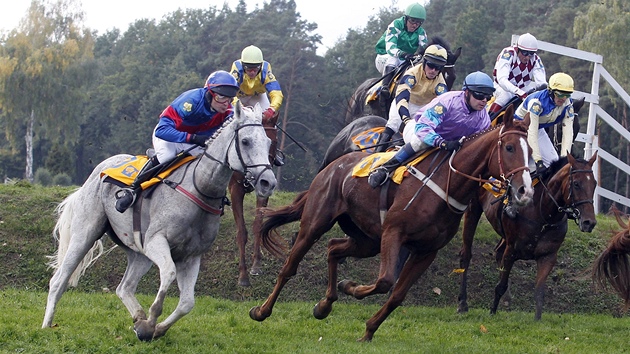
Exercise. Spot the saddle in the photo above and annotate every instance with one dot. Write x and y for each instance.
(369, 163)
(125, 173)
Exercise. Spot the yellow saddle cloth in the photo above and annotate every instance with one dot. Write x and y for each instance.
(368, 163)
(368, 138)
(127, 171)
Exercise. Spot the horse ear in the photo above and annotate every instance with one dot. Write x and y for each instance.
(591, 161)
(571, 159)
(452, 57)
(508, 117)
(238, 108)
(526, 120)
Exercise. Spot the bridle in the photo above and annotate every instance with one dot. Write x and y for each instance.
(505, 178)
(572, 211)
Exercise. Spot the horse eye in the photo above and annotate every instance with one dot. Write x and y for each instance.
(245, 142)
(509, 148)
(576, 185)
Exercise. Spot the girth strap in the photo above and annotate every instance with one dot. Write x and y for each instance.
(200, 203)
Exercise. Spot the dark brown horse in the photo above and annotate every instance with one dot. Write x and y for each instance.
(238, 187)
(422, 219)
(538, 230)
(358, 106)
(613, 266)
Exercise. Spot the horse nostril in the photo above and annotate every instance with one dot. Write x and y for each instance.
(521, 190)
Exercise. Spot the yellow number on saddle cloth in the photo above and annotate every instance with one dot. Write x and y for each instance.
(368, 163)
(126, 172)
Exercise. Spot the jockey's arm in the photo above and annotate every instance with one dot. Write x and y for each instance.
(503, 68)
(538, 73)
(567, 132)
(426, 125)
(532, 131)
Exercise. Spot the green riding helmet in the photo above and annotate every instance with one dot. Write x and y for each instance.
(416, 10)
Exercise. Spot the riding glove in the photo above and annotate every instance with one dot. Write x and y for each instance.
(268, 113)
(540, 168)
(450, 145)
(198, 139)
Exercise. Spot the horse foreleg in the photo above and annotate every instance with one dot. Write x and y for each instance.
(390, 249)
(258, 219)
(505, 267)
(237, 193)
(414, 268)
(158, 250)
(303, 243)
(471, 219)
(544, 265)
(187, 273)
(137, 266)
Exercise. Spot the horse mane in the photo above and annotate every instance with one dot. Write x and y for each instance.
(216, 134)
(437, 39)
(483, 132)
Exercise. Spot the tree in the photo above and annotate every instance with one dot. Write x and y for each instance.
(43, 67)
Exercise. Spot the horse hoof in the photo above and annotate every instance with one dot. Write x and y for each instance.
(462, 309)
(255, 271)
(254, 314)
(143, 331)
(244, 282)
(320, 311)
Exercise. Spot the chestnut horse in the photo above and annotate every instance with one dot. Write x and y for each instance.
(238, 187)
(431, 221)
(538, 230)
(613, 266)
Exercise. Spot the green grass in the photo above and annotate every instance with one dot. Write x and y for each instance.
(98, 323)
(577, 318)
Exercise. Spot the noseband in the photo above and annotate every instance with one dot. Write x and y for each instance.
(571, 210)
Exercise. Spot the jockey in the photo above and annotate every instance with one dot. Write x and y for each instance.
(547, 108)
(418, 86)
(445, 120)
(256, 82)
(258, 85)
(516, 71)
(401, 40)
(185, 125)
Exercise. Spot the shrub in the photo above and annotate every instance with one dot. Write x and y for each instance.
(62, 179)
(43, 177)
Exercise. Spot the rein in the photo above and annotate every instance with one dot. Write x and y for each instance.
(571, 210)
(505, 177)
(248, 175)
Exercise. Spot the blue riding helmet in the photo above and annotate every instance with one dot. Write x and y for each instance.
(479, 82)
(223, 83)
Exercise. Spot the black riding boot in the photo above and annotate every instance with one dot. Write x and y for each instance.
(127, 196)
(388, 75)
(385, 137)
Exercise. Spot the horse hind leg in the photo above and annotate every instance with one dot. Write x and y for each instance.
(471, 220)
(186, 278)
(137, 266)
(74, 244)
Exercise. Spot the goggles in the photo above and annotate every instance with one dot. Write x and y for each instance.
(561, 94)
(433, 66)
(248, 67)
(481, 96)
(527, 53)
(220, 98)
(415, 21)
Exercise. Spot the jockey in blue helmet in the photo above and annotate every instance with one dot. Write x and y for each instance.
(185, 125)
(442, 123)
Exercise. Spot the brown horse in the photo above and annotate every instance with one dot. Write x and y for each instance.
(238, 187)
(613, 266)
(422, 219)
(538, 230)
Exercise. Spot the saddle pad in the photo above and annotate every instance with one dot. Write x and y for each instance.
(373, 92)
(367, 138)
(126, 172)
(368, 163)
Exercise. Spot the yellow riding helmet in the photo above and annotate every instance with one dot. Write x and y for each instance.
(252, 55)
(561, 82)
(436, 54)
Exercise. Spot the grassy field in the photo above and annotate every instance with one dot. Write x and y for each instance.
(577, 318)
(98, 323)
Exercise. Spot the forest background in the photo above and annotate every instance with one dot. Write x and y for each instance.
(71, 97)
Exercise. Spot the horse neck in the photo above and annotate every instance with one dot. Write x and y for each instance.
(212, 172)
(558, 188)
(477, 155)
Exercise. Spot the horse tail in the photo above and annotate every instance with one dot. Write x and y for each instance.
(63, 234)
(278, 217)
(613, 266)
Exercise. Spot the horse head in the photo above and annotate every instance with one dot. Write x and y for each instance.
(248, 153)
(578, 189)
(513, 154)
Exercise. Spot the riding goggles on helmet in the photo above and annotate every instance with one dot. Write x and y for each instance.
(433, 66)
(562, 94)
(527, 53)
